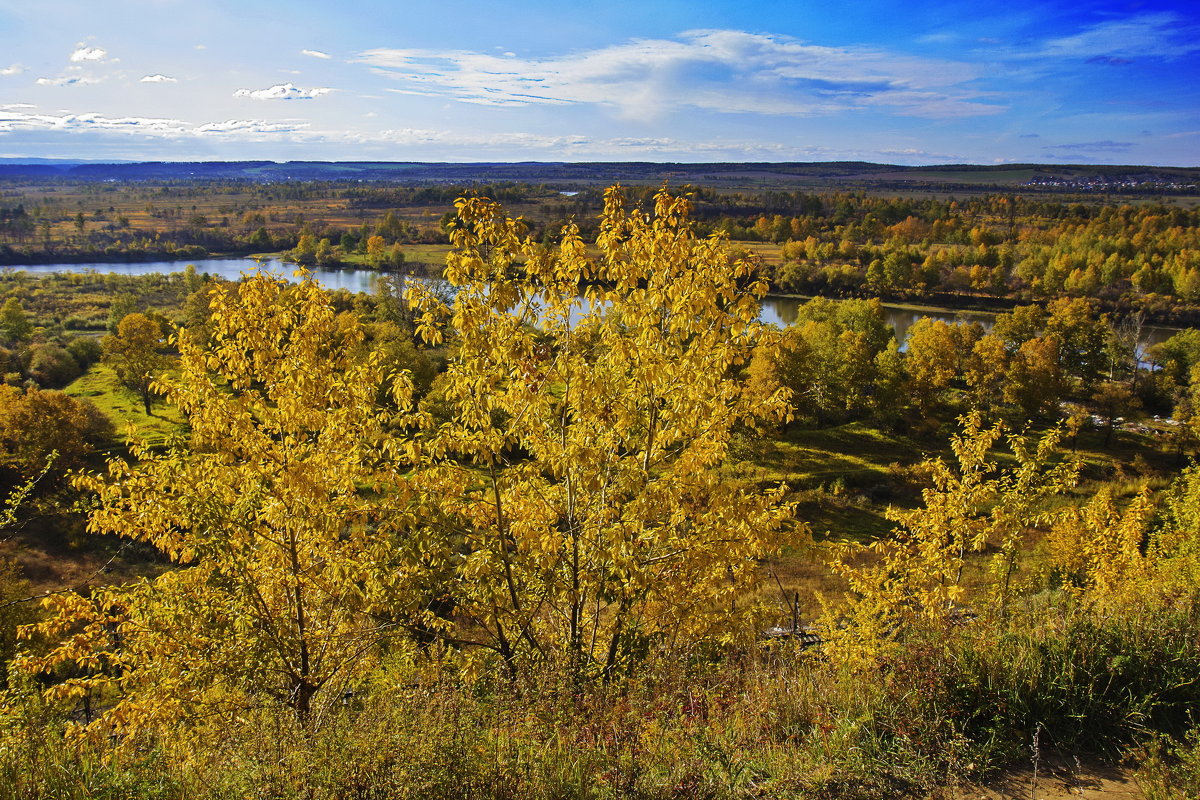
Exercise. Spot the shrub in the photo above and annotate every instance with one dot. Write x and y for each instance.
(86, 350)
(52, 366)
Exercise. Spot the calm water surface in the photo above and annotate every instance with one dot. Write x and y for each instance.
(777, 310)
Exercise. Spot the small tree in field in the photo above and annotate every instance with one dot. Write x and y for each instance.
(14, 322)
(579, 460)
(135, 354)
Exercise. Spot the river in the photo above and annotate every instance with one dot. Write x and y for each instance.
(776, 310)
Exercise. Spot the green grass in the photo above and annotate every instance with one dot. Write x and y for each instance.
(99, 385)
(856, 454)
(843, 521)
(434, 254)
(429, 255)
(844, 478)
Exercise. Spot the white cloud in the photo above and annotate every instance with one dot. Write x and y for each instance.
(68, 80)
(1105, 145)
(315, 54)
(282, 91)
(249, 126)
(12, 120)
(430, 143)
(1163, 35)
(157, 79)
(15, 69)
(717, 70)
(88, 54)
(581, 146)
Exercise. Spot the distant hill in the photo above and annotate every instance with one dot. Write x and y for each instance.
(847, 174)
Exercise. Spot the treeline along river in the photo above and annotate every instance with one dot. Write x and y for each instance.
(779, 310)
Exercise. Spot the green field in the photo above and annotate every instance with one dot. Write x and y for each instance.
(99, 386)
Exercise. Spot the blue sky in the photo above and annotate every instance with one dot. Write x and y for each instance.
(470, 80)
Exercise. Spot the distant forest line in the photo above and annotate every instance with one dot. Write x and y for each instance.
(834, 230)
(1130, 178)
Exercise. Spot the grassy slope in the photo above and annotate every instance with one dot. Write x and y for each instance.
(99, 385)
(846, 477)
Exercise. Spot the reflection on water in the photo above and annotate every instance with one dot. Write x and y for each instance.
(354, 280)
(776, 310)
(783, 311)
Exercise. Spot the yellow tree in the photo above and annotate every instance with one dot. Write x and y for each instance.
(1034, 379)
(936, 350)
(35, 423)
(1113, 400)
(282, 516)
(14, 322)
(1097, 549)
(1121, 556)
(579, 460)
(376, 250)
(986, 368)
(916, 575)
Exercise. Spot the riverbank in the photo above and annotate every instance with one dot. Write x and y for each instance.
(425, 261)
(777, 309)
(1155, 312)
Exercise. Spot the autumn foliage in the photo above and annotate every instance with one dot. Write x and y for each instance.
(564, 508)
(538, 570)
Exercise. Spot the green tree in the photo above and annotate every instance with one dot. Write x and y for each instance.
(826, 359)
(261, 239)
(305, 251)
(1035, 379)
(389, 228)
(122, 306)
(86, 350)
(1114, 399)
(1082, 335)
(1019, 326)
(53, 367)
(1177, 355)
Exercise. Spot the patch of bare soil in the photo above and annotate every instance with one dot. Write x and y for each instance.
(51, 563)
(1057, 779)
